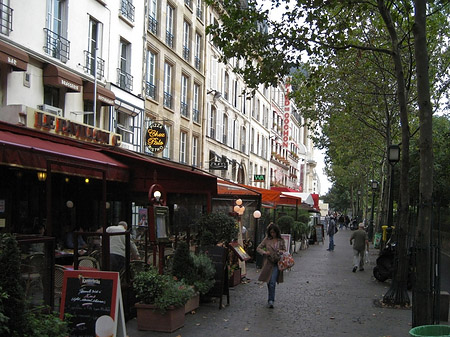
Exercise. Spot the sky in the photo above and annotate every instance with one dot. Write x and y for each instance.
(325, 184)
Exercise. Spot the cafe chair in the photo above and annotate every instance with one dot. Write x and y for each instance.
(59, 277)
(88, 261)
(97, 254)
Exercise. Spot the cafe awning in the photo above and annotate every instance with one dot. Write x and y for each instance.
(104, 96)
(13, 56)
(31, 152)
(61, 78)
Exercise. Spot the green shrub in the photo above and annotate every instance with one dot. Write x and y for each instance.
(183, 263)
(161, 290)
(285, 223)
(41, 323)
(204, 273)
(216, 227)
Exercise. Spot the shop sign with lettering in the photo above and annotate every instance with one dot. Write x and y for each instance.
(259, 177)
(286, 116)
(218, 165)
(156, 137)
(65, 127)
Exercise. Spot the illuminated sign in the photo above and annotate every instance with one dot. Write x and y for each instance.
(259, 177)
(156, 137)
(65, 127)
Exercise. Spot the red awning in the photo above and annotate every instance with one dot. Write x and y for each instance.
(104, 96)
(34, 153)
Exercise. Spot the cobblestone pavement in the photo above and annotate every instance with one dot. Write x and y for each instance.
(320, 296)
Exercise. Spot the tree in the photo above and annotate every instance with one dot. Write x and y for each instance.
(325, 28)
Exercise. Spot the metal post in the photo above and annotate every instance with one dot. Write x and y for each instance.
(372, 215)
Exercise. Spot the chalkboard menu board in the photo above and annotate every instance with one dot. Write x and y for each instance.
(218, 256)
(94, 301)
(319, 233)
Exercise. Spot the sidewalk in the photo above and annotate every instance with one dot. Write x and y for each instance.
(320, 296)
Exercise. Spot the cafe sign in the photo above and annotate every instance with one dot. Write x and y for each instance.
(156, 137)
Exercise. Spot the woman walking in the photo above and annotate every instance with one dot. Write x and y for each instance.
(271, 248)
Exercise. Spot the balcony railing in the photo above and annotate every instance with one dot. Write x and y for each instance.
(150, 90)
(200, 13)
(184, 110)
(56, 46)
(167, 100)
(186, 53)
(89, 59)
(127, 10)
(188, 3)
(124, 80)
(169, 39)
(6, 19)
(196, 115)
(152, 25)
(197, 62)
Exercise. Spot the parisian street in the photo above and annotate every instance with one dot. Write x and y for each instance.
(320, 296)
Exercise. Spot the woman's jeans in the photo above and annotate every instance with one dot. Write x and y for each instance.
(272, 283)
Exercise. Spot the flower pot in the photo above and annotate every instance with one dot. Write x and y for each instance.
(192, 304)
(235, 278)
(149, 318)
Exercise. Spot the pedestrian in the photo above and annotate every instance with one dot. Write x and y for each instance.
(271, 247)
(117, 247)
(331, 231)
(359, 240)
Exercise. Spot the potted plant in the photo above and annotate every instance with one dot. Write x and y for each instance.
(197, 270)
(161, 301)
(216, 228)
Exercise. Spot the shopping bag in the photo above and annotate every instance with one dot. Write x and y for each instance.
(286, 261)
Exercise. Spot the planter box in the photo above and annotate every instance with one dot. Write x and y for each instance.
(148, 318)
(192, 304)
(235, 278)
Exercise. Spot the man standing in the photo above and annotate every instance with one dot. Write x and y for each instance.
(331, 231)
(117, 247)
(359, 240)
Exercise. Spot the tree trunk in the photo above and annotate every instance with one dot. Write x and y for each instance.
(422, 293)
(398, 294)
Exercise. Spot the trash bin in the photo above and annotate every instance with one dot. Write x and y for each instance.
(430, 331)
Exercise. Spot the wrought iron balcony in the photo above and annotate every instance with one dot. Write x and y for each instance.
(89, 59)
(198, 63)
(152, 25)
(184, 111)
(56, 46)
(169, 39)
(124, 80)
(6, 19)
(150, 90)
(196, 115)
(186, 53)
(127, 9)
(167, 100)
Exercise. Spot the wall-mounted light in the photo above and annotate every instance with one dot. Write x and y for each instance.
(41, 175)
(108, 205)
(69, 204)
(217, 94)
(66, 179)
(86, 180)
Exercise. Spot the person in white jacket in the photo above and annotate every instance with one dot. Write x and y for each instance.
(117, 247)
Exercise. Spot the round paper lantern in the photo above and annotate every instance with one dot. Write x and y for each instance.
(239, 202)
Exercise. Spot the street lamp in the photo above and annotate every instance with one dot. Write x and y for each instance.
(393, 158)
(374, 185)
(257, 216)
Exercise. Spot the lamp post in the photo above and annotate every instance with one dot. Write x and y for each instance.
(393, 158)
(239, 209)
(374, 185)
(256, 216)
(357, 206)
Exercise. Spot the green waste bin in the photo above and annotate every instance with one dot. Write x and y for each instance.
(430, 331)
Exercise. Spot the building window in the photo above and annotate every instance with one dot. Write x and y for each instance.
(188, 3)
(186, 41)
(124, 78)
(198, 51)
(127, 9)
(199, 11)
(226, 85)
(183, 146)
(212, 122)
(195, 151)
(243, 139)
(150, 80)
(153, 17)
(252, 140)
(6, 18)
(94, 50)
(170, 11)
(225, 129)
(167, 150)
(184, 96)
(168, 85)
(196, 104)
(57, 45)
(125, 126)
